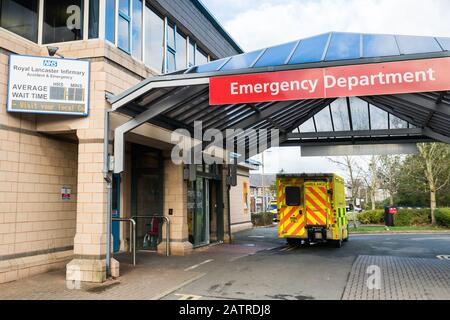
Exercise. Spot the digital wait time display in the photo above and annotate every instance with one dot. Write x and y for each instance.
(48, 85)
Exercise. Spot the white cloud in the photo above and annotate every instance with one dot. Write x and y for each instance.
(257, 24)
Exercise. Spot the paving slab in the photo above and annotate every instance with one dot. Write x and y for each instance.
(398, 278)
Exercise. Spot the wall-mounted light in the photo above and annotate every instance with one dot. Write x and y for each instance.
(53, 51)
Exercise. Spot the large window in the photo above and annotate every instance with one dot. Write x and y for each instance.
(181, 52)
(94, 17)
(171, 48)
(200, 57)
(134, 26)
(110, 20)
(191, 54)
(20, 17)
(154, 40)
(124, 23)
(137, 29)
(63, 20)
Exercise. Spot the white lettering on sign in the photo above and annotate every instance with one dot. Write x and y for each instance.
(349, 83)
(274, 88)
(379, 79)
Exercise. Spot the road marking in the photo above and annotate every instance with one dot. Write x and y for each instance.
(444, 257)
(240, 257)
(198, 265)
(257, 237)
(286, 248)
(188, 297)
(290, 249)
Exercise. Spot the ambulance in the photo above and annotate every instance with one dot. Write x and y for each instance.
(312, 208)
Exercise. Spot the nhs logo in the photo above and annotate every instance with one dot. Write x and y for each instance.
(50, 63)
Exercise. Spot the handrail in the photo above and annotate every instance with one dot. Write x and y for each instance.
(132, 236)
(167, 221)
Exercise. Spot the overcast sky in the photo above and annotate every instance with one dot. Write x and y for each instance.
(256, 24)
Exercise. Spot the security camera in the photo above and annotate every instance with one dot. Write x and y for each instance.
(52, 51)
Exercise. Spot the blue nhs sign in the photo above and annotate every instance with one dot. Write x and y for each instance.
(50, 63)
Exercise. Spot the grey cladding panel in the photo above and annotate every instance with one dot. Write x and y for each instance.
(189, 16)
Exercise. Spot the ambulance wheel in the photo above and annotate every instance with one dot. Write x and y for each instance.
(337, 243)
(294, 242)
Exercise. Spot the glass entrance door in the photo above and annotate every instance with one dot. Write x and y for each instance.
(198, 212)
(147, 195)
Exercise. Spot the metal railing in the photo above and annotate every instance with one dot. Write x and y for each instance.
(167, 222)
(132, 236)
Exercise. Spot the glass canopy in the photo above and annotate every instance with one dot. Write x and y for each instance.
(334, 46)
(352, 114)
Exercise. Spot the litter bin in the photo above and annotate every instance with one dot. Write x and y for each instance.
(389, 214)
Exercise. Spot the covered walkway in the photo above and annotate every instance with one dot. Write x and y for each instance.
(180, 99)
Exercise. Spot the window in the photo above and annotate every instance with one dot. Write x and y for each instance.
(293, 196)
(191, 54)
(110, 21)
(181, 55)
(20, 17)
(124, 23)
(171, 49)
(63, 20)
(137, 29)
(200, 57)
(93, 18)
(154, 40)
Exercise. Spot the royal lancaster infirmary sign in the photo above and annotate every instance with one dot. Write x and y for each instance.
(48, 85)
(357, 80)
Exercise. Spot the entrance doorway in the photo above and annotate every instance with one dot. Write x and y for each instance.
(147, 195)
(205, 214)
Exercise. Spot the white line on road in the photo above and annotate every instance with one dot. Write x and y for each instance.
(257, 237)
(286, 248)
(444, 257)
(188, 297)
(198, 265)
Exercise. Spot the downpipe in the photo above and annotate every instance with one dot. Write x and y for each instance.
(109, 185)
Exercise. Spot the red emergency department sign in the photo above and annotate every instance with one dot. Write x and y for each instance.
(357, 80)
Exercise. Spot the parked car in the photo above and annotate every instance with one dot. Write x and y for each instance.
(273, 208)
(351, 209)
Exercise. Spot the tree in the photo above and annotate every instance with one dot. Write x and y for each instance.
(436, 168)
(390, 169)
(354, 181)
(372, 180)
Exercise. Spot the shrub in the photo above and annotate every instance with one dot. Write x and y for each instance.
(443, 217)
(413, 217)
(262, 219)
(371, 217)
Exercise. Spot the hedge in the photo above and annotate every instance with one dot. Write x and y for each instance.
(262, 219)
(371, 217)
(404, 218)
(443, 217)
(413, 217)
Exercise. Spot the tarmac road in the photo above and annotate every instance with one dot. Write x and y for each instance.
(278, 271)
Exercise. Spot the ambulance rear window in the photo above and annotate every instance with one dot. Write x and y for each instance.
(293, 197)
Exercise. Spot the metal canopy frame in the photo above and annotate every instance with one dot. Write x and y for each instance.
(178, 100)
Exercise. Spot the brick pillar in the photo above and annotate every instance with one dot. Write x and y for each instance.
(89, 264)
(175, 198)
